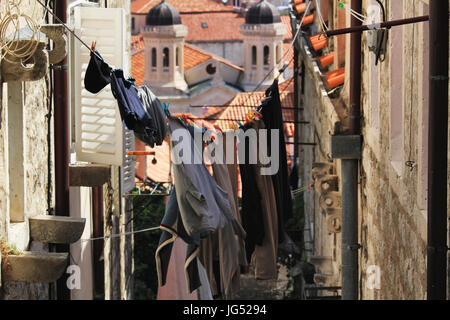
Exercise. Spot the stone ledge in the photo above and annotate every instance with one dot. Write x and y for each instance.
(56, 229)
(89, 175)
(41, 267)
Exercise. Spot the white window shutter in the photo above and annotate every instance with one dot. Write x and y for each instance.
(99, 132)
(128, 172)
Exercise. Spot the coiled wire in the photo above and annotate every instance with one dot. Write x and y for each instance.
(15, 19)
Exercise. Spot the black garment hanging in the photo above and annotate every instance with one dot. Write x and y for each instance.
(130, 106)
(252, 219)
(293, 178)
(273, 120)
(132, 112)
(98, 74)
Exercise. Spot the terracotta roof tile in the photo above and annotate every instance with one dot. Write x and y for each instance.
(213, 26)
(138, 67)
(207, 20)
(287, 22)
(183, 6)
(194, 56)
(244, 102)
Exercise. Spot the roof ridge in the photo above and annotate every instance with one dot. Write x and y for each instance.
(214, 56)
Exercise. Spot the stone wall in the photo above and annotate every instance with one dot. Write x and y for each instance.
(393, 195)
(34, 164)
(393, 170)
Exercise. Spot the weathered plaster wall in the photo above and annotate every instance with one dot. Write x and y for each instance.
(35, 160)
(392, 215)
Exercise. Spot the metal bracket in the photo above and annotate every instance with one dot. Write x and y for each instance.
(59, 67)
(346, 147)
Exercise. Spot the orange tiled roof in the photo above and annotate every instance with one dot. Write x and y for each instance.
(219, 26)
(193, 56)
(287, 22)
(243, 102)
(290, 56)
(183, 6)
(222, 23)
(138, 59)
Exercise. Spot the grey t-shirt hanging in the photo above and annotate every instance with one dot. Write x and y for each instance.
(154, 108)
(204, 206)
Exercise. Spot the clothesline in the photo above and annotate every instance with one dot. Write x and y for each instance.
(117, 235)
(68, 29)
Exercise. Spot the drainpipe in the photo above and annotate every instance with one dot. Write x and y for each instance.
(350, 244)
(437, 154)
(98, 225)
(62, 151)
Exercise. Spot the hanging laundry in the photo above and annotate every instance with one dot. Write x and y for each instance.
(273, 120)
(154, 108)
(293, 178)
(130, 106)
(204, 291)
(252, 213)
(175, 285)
(148, 126)
(228, 238)
(98, 74)
(204, 206)
(209, 256)
(230, 141)
(265, 255)
(172, 227)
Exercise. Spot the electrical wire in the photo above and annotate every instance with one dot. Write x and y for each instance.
(70, 30)
(284, 55)
(117, 235)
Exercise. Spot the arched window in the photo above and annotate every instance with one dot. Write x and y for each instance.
(178, 57)
(266, 55)
(166, 57)
(254, 55)
(278, 54)
(153, 57)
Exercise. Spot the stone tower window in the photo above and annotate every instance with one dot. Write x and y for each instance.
(254, 56)
(154, 59)
(166, 58)
(177, 57)
(266, 55)
(278, 54)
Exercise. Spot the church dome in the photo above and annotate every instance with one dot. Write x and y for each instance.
(163, 14)
(262, 13)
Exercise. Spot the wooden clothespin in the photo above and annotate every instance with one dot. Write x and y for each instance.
(278, 77)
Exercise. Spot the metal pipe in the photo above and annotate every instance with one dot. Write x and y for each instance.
(437, 153)
(98, 225)
(349, 169)
(388, 24)
(296, 103)
(62, 151)
(349, 229)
